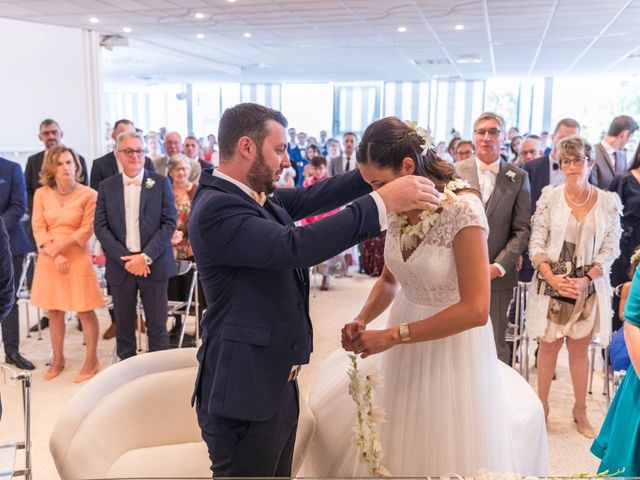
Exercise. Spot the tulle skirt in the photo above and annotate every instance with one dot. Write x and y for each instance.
(451, 406)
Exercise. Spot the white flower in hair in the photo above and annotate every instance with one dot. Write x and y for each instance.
(424, 134)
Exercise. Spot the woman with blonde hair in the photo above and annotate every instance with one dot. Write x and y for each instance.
(64, 278)
(575, 235)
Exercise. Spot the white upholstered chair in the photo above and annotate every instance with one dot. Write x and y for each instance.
(135, 420)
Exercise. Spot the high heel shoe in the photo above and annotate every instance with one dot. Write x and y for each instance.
(51, 374)
(585, 430)
(81, 377)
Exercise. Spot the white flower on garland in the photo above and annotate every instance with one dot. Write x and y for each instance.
(412, 235)
(366, 435)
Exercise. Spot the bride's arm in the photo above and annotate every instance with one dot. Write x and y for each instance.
(472, 310)
(380, 297)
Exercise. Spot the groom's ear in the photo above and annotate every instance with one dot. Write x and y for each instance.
(408, 166)
(246, 147)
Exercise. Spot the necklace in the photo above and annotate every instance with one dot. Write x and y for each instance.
(64, 194)
(578, 205)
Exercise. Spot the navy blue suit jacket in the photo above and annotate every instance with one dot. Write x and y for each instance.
(7, 297)
(538, 171)
(107, 166)
(252, 262)
(13, 205)
(157, 224)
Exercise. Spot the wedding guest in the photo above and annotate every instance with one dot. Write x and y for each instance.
(153, 146)
(626, 286)
(627, 186)
(173, 145)
(451, 149)
(334, 153)
(135, 220)
(610, 159)
(348, 160)
(64, 279)
(192, 151)
(464, 150)
(530, 149)
(616, 444)
(575, 224)
(514, 149)
(211, 153)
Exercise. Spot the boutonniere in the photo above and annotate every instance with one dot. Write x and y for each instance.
(149, 183)
(511, 175)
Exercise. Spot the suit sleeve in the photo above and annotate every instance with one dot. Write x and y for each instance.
(229, 232)
(110, 244)
(148, 165)
(520, 228)
(29, 173)
(158, 243)
(85, 171)
(7, 294)
(96, 175)
(18, 200)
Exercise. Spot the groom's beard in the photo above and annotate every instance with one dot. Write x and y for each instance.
(261, 177)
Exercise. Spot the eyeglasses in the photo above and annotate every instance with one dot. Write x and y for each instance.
(493, 132)
(130, 152)
(578, 161)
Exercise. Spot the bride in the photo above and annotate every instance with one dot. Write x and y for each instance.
(451, 405)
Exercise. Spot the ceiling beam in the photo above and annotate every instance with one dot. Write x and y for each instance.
(487, 24)
(552, 14)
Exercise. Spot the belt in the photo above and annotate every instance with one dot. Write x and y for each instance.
(293, 374)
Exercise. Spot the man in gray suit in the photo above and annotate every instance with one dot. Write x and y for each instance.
(349, 144)
(610, 158)
(506, 195)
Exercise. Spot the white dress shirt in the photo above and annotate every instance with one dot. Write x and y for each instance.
(352, 161)
(487, 175)
(132, 189)
(382, 210)
(556, 177)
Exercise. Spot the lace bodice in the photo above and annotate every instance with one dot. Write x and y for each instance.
(429, 275)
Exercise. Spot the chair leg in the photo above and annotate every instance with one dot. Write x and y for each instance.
(592, 352)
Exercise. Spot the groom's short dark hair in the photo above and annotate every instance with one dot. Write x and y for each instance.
(245, 119)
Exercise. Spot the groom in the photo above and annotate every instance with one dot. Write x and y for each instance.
(253, 263)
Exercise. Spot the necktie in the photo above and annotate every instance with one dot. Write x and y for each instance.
(260, 198)
(348, 167)
(614, 159)
(132, 181)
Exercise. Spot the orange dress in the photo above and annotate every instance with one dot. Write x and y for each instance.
(61, 217)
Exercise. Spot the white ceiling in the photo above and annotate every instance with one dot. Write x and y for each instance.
(347, 40)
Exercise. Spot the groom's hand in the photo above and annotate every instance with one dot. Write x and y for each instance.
(349, 332)
(410, 192)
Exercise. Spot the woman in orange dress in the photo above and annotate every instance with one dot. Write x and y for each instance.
(64, 278)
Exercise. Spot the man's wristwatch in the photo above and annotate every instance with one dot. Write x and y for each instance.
(147, 258)
(403, 330)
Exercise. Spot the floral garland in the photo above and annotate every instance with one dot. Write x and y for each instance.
(412, 235)
(368, 417)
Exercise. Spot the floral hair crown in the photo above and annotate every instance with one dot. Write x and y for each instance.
(424, 134)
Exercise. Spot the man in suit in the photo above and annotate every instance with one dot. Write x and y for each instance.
(134, 221)
(105, 167)
(7, 293)
(349, 144)
(610, 157)
(192, 150)
(506, 196)
(253, 263)
(172, 145)
(13, 205)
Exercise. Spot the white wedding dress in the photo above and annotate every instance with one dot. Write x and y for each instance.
(451, 405)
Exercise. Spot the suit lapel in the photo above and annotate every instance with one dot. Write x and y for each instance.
(496, 195)
(119, 198)
(144, 193)
(606, 159)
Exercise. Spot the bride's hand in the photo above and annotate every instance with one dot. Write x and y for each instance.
(370, 342)
(350, 330)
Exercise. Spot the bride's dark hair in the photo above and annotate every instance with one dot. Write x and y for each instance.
(386, 142)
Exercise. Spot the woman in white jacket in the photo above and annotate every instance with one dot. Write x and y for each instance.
(576, 229)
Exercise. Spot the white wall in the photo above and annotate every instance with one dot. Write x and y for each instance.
(45, 74)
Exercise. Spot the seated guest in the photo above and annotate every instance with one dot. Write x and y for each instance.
(64, 279)
(576, 227)
(627, 186)
(135, 220)
(173, 145)
(617, 444)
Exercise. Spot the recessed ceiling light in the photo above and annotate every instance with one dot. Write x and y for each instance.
(469, 59)
(459, 26)
(247, 35)
(402, 29)
(199, 15)
(200, 36)
(94, 20)
(127, 29)
(231, 1)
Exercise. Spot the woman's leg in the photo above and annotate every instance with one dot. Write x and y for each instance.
(547, 358)
(57, 329)
(579, 367)
(90, 330)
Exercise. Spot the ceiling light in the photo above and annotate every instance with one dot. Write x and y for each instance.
(94, 20)
(469, 59)
(199, 15)
(127, 29)
(200, 36)
(231, 1)
(247, 35)
(402, 29)
(459, 27)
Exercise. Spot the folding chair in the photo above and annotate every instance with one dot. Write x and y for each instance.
(597, 344)
(24, 292)
(517, 334)
(8, 450)
(183, 308)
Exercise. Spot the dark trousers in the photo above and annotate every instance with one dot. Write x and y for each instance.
(499, 305)
(153, 294)
(239, 448)
(11, 324)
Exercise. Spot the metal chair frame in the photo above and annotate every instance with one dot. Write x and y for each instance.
(25, 379)
(519, 338)
(23, 292)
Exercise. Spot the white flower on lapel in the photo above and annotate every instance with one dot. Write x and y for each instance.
(511, 175)
(149, 183)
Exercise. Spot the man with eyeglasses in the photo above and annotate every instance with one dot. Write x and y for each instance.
(505, 193)
(173, 145)
(105, 167)
(530, 149)
(464, 150)
(135, 219)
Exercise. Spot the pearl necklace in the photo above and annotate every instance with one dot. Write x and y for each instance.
(578, 205)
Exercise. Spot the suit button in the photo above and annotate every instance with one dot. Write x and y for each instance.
(295, 347)
(300, 305)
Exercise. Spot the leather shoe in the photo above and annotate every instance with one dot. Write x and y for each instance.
(14, 358)
(44, 323)
(110, 332)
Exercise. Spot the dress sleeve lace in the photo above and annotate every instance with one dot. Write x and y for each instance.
(465, 211)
